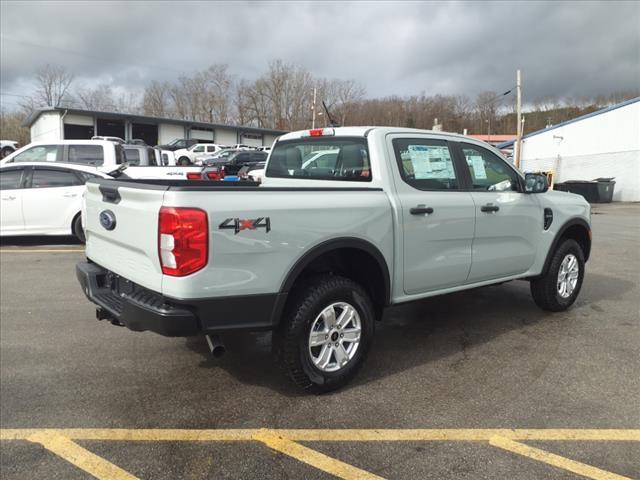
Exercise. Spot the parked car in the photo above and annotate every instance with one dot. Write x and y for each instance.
(207, 158)
(43, 198)
(187, 156)
(253, 173)
(106, 155)
(316, 255)
(139, 155)
(7, 147)
(320, 159)
(180, 143)
(236, 160)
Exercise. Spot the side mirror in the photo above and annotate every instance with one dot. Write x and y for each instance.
(535, 183)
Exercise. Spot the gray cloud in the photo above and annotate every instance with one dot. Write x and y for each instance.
(564, 48)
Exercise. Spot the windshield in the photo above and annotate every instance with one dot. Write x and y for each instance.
(324, 158)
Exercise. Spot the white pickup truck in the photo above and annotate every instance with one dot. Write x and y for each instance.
(318, 251)
(105, 155)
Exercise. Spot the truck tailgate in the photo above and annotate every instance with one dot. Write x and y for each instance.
(130, 248)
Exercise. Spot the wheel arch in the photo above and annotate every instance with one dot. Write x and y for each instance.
(327, 257)
(576, 229)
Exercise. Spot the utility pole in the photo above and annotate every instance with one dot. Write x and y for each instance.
(519, 127)
(313, 108)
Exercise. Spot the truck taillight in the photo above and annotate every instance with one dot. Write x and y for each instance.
(183, 240)
(215, 174)
(194, 176)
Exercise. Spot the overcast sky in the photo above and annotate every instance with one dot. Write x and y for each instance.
(563, 48)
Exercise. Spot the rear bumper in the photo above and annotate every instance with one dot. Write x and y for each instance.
(141, 309)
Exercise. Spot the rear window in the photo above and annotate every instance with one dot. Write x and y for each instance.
(86, 154)
(323, 158)
(132, 155)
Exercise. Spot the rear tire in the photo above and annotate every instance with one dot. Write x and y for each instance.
(559, 287)
(325, 334)
(78, 231)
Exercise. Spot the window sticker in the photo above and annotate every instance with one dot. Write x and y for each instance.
(477, 163)
(421, 161)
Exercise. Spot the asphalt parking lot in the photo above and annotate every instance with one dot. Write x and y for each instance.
(480, 384)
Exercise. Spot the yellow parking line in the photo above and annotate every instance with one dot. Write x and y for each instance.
(337, 435)
(555, 460)
(80, 457)
(312, 457)
(40, 250)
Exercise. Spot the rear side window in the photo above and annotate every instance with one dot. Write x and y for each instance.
(45, 178)
(86, 154)
(425, 164)
(296, 159)
(11, 179)
(132, 155)
(40, 153)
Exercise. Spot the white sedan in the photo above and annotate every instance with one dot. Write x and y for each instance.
(38, 198)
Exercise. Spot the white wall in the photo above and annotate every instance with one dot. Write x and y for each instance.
(46, 128)
(605, 145)
(269, 139)
(226, 137)
(168, 132)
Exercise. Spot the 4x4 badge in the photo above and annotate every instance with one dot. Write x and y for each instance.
(239, 224)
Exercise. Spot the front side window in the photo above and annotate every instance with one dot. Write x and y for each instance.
(45, 178)
(11, 179)
(488, 171)
(40, 153)
(425, 164)
(297, 159)
(86, 154)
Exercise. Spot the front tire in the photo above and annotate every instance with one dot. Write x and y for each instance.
(184, 162)
(325, 333)
(6, 151)
(78, 231)
(559, 287)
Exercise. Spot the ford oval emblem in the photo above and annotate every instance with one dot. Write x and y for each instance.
(108, 219)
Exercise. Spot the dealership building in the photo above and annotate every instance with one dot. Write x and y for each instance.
(602, 144)
(54, 123)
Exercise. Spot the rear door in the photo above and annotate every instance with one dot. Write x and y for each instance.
(437, 214)
(53, 198)
(129, 245)
(12, 182)
(508, 221)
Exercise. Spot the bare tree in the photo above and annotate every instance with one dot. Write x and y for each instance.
(98, 98)
(155, 101)
(52, 85)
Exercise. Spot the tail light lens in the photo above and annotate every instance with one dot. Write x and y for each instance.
(215, 174)
(193, 176)
(183, 240)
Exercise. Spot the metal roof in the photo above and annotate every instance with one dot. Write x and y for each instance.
(573, 120)
(147, 119)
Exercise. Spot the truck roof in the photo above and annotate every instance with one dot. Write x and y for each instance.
(363, 131)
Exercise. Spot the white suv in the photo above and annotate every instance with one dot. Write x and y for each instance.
(186, 156)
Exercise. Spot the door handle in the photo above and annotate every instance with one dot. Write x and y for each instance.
(489, 208)
(420, 210)
(8, 198)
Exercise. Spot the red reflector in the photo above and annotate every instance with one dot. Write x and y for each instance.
(317, 132)
(215, 175)
(183, 240)
(193, 176)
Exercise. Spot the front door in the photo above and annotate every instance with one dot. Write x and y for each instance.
(437, 215)
(11, 188)
(508, 221)
(54, 197)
